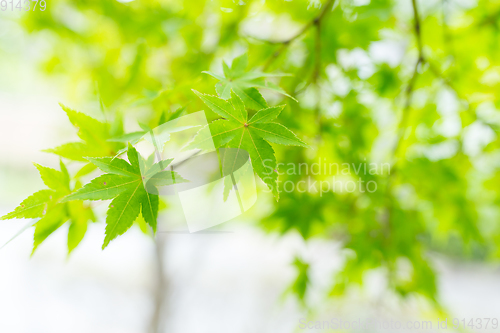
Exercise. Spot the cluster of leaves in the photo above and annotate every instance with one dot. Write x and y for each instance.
(95, 138)
(132, 185)
(439, 195)
(49, 206)
(252, 135)
(245, 83)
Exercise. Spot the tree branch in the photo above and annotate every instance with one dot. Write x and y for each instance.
(159, 294)
(418, 34)
(386, 219)
(285, 43)
(411, 84)
(316, 71)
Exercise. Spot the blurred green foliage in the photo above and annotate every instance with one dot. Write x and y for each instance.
(413, 84)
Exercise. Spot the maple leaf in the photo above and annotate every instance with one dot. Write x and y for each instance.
(51, 211)
(32, 207)
(244, 83)
(252, 136)
(133, 187)
(79, 215)
(95, 137)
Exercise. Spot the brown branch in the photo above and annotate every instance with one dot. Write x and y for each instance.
(386, 219)
(317, 53)
(423, 59)
(411, 84)
(417, 25)
(316, 71)
(285, 43)
(405, 114)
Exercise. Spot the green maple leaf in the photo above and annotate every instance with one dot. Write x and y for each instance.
(95, 137)
(244, 83)
(51, 211)
(32, 207)
(50, 222)
(56, 214)
(302, 281)
(132, 186)
(253, 136)
(79, 215)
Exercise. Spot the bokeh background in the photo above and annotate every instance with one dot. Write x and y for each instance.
(410, 83)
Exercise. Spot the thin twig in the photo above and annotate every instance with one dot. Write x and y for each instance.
(406, 110)
(446, 80)
(177, 164)
(411, 84)
(417, 27)
(423, 59)
(315, 77)
(402, 124)
(285, 43)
